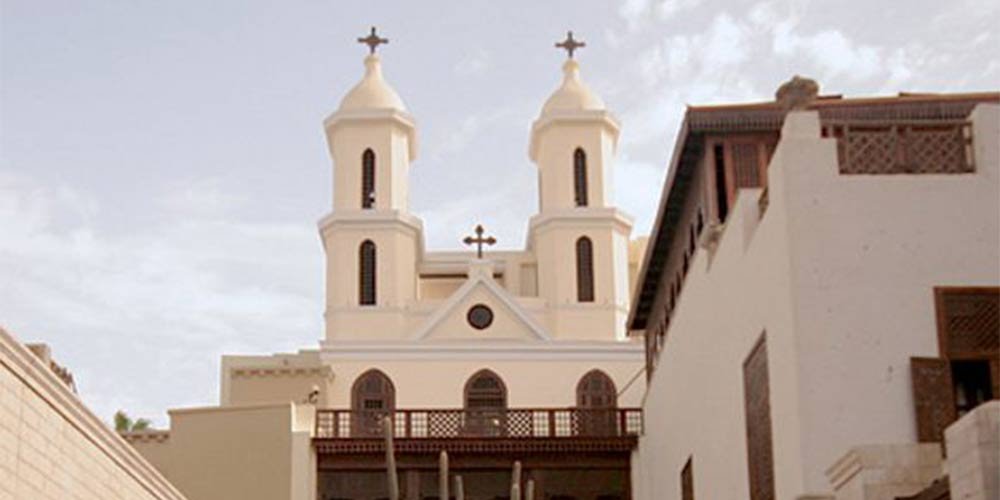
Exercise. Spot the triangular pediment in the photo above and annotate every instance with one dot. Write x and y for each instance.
(508, 319)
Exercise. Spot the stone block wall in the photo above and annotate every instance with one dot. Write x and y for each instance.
(52, 447)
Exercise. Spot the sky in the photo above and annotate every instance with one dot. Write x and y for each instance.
(163, 164)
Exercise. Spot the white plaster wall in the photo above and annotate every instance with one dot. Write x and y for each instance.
(867, 252)
(840, 273)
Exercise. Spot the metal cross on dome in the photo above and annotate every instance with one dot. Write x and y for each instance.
(372, 41)
(570, 44)
(479, 240)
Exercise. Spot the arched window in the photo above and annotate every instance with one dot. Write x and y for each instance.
(366, 273)
(373, 397)
(584, 270)
(368, 179)
(485, 405)
(596, 390)
(580, 177)
(596, 399)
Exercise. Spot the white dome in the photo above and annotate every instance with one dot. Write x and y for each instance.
(573, 94)
(372, 92)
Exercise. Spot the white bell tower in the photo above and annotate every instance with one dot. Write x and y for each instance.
(580, 239)
(371, 240)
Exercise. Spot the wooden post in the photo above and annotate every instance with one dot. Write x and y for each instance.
(515, 481)
(443, 475)
(459, 488)
(390, 460)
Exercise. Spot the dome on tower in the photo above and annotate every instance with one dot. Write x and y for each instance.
(573, 94)
(372, 92)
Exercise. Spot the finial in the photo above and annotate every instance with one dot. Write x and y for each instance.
(569, 44)
(372, 41)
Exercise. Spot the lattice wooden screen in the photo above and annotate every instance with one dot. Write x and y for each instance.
(687, 481)
(933, 397)
(904, 147)
(757, 405)
(969, 321)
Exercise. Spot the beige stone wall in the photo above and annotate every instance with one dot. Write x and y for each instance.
(52, 447)
(885, 471)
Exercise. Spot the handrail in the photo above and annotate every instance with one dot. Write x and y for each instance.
(458, 423)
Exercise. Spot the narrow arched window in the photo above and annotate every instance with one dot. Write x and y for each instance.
(580, 177)
(584, 270)
(366, 273)
(368, 179)
(373, 398)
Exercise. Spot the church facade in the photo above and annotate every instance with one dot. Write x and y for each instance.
(493, 356)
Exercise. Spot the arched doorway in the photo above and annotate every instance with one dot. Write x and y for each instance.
(596, 400)
(485, 404)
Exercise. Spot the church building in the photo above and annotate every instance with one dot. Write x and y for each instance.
(493, 356)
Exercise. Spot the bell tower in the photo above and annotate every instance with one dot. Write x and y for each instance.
(579, 237)
(371, 240)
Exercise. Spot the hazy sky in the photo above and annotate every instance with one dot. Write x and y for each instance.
(163, 164)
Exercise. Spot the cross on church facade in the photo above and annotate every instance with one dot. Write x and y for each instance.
(372, 41)
(479, 240)
(570, 45)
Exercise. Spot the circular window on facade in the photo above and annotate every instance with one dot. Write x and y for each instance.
(480, 316)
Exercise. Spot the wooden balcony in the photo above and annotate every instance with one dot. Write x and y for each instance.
(481, 424)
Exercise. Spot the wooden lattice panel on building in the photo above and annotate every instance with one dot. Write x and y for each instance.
(756, 396)
(905, 147)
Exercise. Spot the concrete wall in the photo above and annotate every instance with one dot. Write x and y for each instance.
(839, 271)
(52, 447)
(258, 452)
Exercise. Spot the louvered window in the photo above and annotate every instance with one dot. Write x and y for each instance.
(366, 273)
(757, 406)
(584, 270)
(368, 179)
(580, 177)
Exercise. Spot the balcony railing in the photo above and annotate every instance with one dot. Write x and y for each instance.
(902, 147)
(481, 423)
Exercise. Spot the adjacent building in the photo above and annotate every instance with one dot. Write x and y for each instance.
(819, 297)
(53, 447)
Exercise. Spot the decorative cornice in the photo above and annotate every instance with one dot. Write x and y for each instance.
(394, 116)
(39, 378)
(149, 436)
(582, 218)
(281, 371)
(601, 117)
(494, 349)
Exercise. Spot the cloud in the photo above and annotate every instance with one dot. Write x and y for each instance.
(140, 316)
